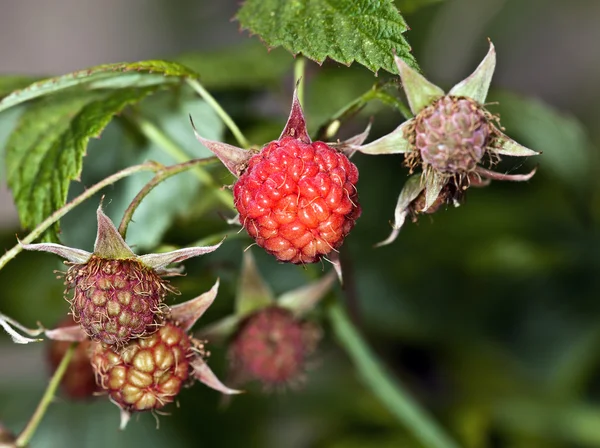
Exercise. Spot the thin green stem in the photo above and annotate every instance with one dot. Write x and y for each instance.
(391, 393)
(353, 107)
(159, 177)
(170, 146)
(210, 100)
(40, 411)
(54, 217)
(299, 68)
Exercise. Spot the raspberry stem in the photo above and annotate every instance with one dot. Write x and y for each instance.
(377, 92)
(47, 398)
(160, 176)
(194, 84)
(299, 68)
(164, 141)
(54, 217)
(391, 393)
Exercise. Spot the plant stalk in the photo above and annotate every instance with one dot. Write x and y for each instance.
(210, 100)
(391, 393)
(159, 177)
(40, 411)
(156, 135)
(54, 217)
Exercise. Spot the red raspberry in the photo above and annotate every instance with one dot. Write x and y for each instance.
(298, 200)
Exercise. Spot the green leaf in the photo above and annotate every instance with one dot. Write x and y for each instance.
(245, 66)
(12, 82)
(138, 74)
(565, 145)
(366, 31)
(45, 151)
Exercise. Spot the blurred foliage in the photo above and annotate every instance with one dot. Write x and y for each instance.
(488, 313)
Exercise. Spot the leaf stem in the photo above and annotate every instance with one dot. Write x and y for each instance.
(210, 100)
(54, 217)
(170, 146)
(299, 68)
(353, 107)
(391, 393)
(40, 411)
(161, 175)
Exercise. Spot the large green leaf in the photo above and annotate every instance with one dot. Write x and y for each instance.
(366, 31)
(45, 151)
(135, 74)
(250, 65)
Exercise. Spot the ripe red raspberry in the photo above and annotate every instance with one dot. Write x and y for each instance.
(271, 346)
(115, 300)
(298, 200)
(147, 373)
(78, 382)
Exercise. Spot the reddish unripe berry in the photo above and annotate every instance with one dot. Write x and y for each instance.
(271, 346)
(298, 200)
(115, 300)
(147, 373)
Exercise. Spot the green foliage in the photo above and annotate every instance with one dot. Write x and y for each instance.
(121, 75)
(45, 151)
(9, 84)
(366, 31)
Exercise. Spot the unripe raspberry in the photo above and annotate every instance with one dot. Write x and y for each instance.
(117, 294)
(115, 300)
(298, 200)
(452, 134)
(147, 373)
(271, 346)
(78, 382)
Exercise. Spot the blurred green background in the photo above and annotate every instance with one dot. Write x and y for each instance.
(489, 313)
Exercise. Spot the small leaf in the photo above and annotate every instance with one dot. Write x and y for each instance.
(45, 151)
(137, 74)
(366, 31)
